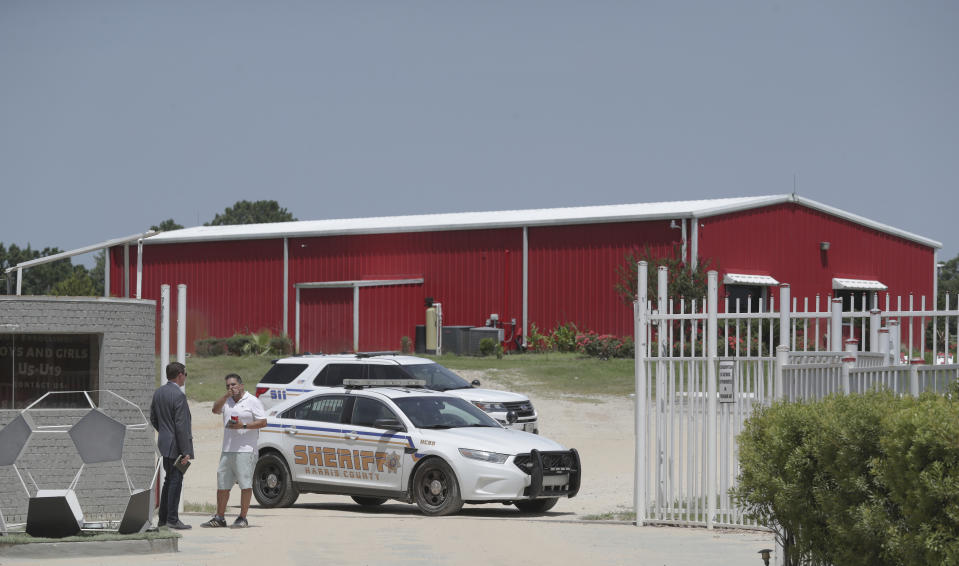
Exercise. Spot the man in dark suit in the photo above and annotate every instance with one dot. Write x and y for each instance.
(170, 415)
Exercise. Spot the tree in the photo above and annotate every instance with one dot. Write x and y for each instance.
(166, 226)
(683, 280)
(78, 284)
(948, 283)
(246, 212)
(37, 280)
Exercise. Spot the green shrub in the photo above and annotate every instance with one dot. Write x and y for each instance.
(490, 347)
(406, 345)
(281, 345)
(564, 337)
(537, 341)
(239, 344)
(208, 347)
(856, 479)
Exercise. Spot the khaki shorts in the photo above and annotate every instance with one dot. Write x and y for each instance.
(235, 468)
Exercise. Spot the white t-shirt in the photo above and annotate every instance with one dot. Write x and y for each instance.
(247, 410)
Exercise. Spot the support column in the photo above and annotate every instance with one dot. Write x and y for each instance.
(640, 339)
(711, 393)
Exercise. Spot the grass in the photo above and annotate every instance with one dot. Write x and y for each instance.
(552, 374)
(621, 515)
(204, 380)
(23, 538)
(194, 507)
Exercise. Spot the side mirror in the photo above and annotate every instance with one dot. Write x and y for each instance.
(389, 424)
(511, 417)
(475, 383)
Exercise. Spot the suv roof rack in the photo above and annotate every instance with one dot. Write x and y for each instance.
(371, 354)
(364, 383)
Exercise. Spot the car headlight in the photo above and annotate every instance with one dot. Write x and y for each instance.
(484, 455)
(490, 407)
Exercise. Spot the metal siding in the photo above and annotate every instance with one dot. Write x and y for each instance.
(572, 272)
(783, 241)
(326, 320)
(232, 287)
(464, 270)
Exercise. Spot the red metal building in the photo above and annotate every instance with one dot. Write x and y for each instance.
(361, 283)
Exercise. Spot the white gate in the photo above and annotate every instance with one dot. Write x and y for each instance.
(700, 373)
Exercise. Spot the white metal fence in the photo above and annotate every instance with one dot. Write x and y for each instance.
(701, 372)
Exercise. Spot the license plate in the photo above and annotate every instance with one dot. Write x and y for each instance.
(528, 427)
(561, 479)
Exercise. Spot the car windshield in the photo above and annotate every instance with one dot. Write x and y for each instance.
(443, 412)
(438, 378)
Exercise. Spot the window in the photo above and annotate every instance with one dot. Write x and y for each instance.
(33, 364)
(334, 374)
(367, 411)
(328, 409)
(386, 372)
(745, 298)
(283, 373)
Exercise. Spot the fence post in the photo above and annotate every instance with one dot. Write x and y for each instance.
(914, 377)
(895, 346)
(782, 358)
(884, 344)
(639, 353)
(874, 322)
(847, 363)
(835, 327)
(662, 334)
(711, 392)
(784, 313)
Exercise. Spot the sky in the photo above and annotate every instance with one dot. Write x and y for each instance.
(115, 116)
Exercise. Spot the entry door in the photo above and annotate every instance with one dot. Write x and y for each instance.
(326, 320)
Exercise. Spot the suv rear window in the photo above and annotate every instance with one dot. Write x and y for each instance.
(334, 374)
(283, 373)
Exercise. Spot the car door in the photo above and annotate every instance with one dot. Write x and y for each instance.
(379, 454)
(315, 439)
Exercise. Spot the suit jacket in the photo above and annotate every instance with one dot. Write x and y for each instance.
(170, 416)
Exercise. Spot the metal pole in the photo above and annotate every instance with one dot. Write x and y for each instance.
(784, 314)
(356, 319)
(694, 244)
(711, 391)
(835, 328)
(874, 330)
(782, 358)
(297, 320)
(525, 285)
(286, 286)
(139, 267)
(126, 270)
(106, 272)
(19, 280)
(164, 326)
(181, 323)
(639, 355)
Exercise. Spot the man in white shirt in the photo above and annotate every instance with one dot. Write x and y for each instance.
(242, 414)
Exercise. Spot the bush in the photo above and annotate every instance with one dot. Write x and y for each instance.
(490, 347)
(604, 346)
(208, 347)
(239, 344)
(280, 345)
(405, 345)
(856, 479)
(563, 337)
(537, 341)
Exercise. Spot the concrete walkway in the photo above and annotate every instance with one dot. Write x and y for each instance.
(344, 533)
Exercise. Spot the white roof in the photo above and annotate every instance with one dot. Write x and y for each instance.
(507, 219)
(857, 285)
(743, 279)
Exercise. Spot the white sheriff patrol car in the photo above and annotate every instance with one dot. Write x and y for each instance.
(408, 443)
(291, 377)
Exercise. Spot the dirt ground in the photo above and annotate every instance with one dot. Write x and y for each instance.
(600, 428)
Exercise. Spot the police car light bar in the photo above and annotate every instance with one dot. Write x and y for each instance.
(384, 383)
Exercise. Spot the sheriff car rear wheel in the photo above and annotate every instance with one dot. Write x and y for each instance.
(435, 488)
(536, 505)
(272, 483)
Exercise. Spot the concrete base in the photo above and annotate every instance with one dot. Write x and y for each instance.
(88, 548)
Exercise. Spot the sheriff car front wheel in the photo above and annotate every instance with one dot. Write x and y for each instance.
(435, 489)
(272, 483)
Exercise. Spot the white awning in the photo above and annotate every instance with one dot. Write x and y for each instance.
(743, 279)
(857, 285)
